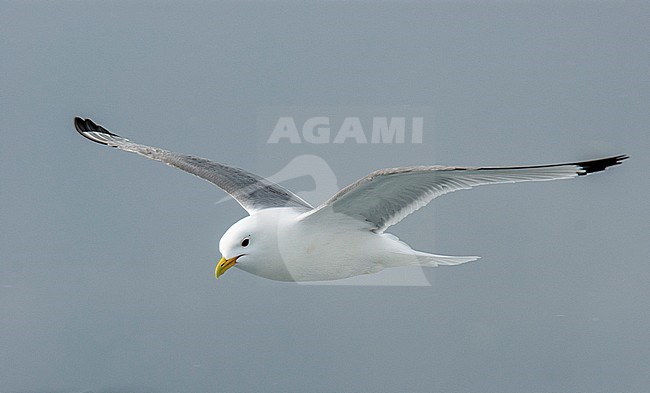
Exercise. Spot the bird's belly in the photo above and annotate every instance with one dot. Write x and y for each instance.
(329, 255)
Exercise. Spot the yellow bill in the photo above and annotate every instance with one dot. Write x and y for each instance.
(223, 265)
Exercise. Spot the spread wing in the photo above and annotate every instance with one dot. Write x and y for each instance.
(252, 192)
(385, 197)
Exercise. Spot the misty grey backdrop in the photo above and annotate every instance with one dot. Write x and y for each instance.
(106, 259)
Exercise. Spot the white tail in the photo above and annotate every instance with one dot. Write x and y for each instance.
(425, 259)
(418, 258)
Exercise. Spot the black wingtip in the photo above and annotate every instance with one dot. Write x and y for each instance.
(600, 164)
(84, 126)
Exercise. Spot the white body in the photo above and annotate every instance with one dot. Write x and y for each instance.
(332, 247)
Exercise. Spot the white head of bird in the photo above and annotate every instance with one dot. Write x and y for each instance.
(252, 244)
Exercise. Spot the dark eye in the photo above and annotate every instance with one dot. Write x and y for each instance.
(245, 242)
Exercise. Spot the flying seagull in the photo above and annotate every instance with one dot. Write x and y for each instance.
(284, 238)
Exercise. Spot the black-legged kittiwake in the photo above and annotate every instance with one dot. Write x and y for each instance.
(284, 238)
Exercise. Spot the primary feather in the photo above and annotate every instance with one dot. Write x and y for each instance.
(252, 192)
(385, 197)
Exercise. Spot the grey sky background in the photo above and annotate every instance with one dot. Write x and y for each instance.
(107, 259)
